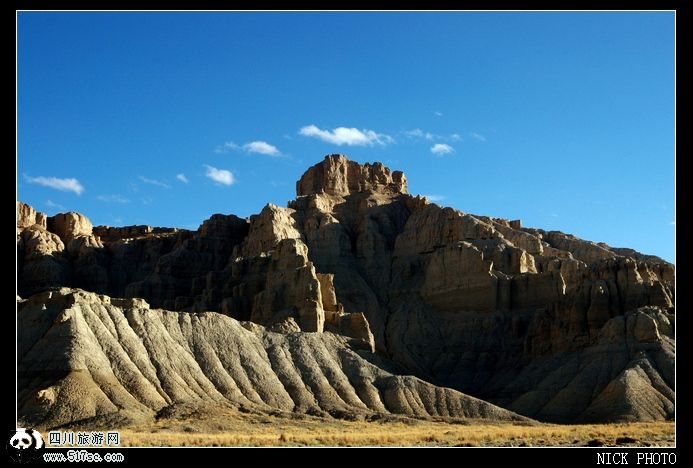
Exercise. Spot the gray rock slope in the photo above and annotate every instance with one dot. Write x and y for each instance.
(83, 356)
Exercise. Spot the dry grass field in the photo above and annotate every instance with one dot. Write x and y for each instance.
(239, 429)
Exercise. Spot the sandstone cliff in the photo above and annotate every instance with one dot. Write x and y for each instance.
(543, 323)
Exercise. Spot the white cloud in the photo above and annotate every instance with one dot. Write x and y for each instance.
(52, 204)
(113, 199)
(262, 147)
(418, 133)
(442, 148)
(478, 136)
(435, 198)
(220, 176)
(673, 223)
(438, 114)
(347, 136)
(456, 137)
(182, 178)
(226, 147)
(64, 185)
(158, 183)
(258, 146)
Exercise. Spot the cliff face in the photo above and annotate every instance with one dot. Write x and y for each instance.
(542, 323)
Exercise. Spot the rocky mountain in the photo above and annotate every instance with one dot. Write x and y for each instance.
(541, 323)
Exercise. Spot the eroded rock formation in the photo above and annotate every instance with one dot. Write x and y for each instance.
(85, 357)
(336, 175)
(543, 323)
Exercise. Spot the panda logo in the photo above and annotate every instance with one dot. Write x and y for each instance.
(23, 445)
(26, 439)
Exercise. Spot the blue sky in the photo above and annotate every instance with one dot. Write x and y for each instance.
(565, 120)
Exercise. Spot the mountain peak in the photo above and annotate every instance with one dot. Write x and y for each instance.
(337, 175)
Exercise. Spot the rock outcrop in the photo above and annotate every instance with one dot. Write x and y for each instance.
(111, 234)
(336, 175)
(27, 216)
(69, 226)
(540, 322)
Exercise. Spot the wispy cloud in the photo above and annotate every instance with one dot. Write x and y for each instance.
(182, 178)
(347, 136)
(261, 147)
(477, 136)
(435, 198)
(257, 146)
(673, 223)
(158, 183)
(438, 114)
(55, 206)
(220, 176)
(64, 185)
(442, 148)
(226, 147)
(146, 200)
(418, 133)
(113, 199)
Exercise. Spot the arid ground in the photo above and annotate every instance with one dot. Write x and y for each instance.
(231, 428)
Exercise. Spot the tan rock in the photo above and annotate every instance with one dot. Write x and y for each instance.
(70, 225)
(644, 328)
(285, 326)
(37, 241)
(336, 175)
(40, 263)
(112, 234)
(586, 251)
(356, 326)
(291, 287)
(459, 278)
(27, 216)
(272, 225)
(521, 239)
